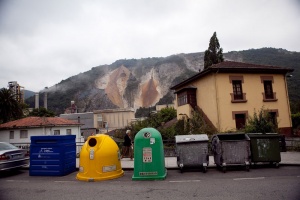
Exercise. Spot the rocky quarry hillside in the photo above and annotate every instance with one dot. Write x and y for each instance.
(135, 83)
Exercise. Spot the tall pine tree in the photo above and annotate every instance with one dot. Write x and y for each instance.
(214, 54)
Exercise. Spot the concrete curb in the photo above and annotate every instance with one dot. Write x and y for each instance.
(215, 166)
(287, 159)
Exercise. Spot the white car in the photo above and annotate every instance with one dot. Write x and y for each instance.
(11, 157)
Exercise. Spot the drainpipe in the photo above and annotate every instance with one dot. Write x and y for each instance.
(217, 101)
(36, 100)
(287, 100)
(79, 129)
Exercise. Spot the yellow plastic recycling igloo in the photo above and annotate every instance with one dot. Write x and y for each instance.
(99, 159)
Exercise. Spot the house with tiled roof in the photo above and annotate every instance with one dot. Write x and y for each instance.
(20, 131)
(228, 92)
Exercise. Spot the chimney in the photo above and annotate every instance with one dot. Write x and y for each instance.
(73, 107)
(37, 100)
(45, 100)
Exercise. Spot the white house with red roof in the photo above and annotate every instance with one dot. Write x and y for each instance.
(20, 131)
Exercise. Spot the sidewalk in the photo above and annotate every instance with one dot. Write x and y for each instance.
(287, 158)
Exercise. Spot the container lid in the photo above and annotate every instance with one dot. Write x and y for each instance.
(263, 135)
(190, 138)
(52, 138)
(231, 136)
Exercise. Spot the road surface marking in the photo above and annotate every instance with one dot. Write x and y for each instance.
(185, 181)
(22, 181)
(241, 179)
(65, 181)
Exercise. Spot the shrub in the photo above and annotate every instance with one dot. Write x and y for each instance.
(198, 124)
(296, 120)
(260, 123)
(167, 133)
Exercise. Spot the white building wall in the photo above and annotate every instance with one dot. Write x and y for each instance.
(5, 134)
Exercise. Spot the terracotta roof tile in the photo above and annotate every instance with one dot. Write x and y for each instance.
(236, 65)
(38, 122)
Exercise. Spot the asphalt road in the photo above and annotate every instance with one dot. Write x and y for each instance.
(262, 183)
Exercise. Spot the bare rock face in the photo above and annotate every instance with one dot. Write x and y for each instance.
(149, 91)
(115, 84)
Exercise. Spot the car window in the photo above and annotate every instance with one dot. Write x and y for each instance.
(7, 146)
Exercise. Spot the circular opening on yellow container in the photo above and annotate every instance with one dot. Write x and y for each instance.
(92, 142)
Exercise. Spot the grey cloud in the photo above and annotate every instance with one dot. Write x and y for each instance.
(66, 37)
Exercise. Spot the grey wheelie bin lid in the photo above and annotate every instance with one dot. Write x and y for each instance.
(191, 138)
(231, 136)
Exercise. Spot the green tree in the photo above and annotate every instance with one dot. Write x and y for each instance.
(155, 120)
(41, 112)
(10, 109)
(166, 114)
(214, 54)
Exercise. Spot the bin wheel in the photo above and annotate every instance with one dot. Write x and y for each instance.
(247, 168)
(224, 169)
(277, 165)
(204, 169)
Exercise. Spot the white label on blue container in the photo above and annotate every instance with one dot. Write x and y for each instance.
(46, 150)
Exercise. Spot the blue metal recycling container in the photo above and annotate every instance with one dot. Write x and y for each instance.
(53, 155)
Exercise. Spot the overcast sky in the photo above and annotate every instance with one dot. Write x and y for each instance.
(45, 41)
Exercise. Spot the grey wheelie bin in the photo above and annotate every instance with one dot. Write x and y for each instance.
(265, 148)
(231, 149)
(192, 151)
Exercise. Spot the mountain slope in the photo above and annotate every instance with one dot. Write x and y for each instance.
(134, 83)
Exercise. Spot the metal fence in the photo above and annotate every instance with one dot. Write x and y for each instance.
(170, 146)
(292, 144)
